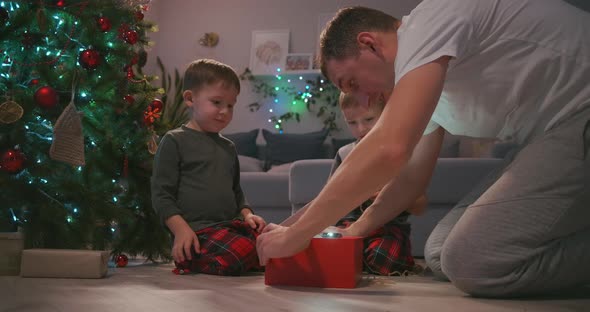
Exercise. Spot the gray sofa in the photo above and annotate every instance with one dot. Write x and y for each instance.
(452, 179)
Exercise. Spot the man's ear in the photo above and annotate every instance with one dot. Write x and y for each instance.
(370, 42)
(366, 40)
(187, 96)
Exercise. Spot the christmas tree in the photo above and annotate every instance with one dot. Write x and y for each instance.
(77, 126)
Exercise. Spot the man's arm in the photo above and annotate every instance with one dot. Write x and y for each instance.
(403, 191)
(380, 156)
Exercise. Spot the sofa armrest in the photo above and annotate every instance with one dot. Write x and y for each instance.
(453, 178)
(265, 188)
(306, 179)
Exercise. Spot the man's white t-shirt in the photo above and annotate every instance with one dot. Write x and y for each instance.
(518, 66)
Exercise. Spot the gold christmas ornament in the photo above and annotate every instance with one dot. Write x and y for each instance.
(10, 112)
(210, 39)
(68, 140)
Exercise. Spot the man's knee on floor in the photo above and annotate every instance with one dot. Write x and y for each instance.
(477, 275)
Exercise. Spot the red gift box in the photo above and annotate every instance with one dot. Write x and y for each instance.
(326, 263)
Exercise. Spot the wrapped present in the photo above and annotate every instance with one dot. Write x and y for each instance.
(11, 246)
(326, 263)
(64, 263)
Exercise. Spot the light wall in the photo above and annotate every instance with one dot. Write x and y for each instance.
(183, 22)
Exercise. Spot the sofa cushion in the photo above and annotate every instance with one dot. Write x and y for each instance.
(289, 147)
(250, 164)
(245, 142)
(281, 168)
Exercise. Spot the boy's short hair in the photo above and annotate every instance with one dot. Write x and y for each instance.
(204, 72)
(348, 100)
(338, 39)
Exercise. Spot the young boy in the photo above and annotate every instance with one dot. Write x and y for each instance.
(387, 249)
(196, 180)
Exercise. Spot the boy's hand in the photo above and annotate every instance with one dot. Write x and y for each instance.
(256, 222)
(184, 239)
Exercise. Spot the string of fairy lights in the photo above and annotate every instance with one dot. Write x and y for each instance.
(300, 94)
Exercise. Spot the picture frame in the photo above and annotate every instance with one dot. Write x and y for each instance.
(268, 51)
(298, 62)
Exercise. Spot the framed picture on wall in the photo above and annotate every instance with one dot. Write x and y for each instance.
(269, 51)
(298, 62)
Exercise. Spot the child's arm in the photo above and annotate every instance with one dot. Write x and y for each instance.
(246, 212)
(184, 238)
(164, 184)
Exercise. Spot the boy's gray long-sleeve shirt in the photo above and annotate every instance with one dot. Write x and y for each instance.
(197, 175)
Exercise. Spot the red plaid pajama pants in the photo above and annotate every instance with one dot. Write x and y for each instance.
(387, 249)
(226, 249)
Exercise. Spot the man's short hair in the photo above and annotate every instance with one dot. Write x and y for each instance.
(338, 39)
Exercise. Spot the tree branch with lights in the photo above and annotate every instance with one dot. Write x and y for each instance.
(318, 96)
(77, 115)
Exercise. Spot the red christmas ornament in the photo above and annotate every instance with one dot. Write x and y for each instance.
(89, 59)
(151, 114)
(130, 73)
(138, 16)
(131, 36)
(34, 82)
(104, 24)
(60, 3)
(12, 161)
(46, 97)
(121, 261)
(134, 59)
(130, 99)
(157, 104)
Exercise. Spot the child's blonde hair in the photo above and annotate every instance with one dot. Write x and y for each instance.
(350, 101)
(204, 72)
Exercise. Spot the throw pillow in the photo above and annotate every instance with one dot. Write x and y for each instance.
(245, 142)
(249, 164)
(289, 147)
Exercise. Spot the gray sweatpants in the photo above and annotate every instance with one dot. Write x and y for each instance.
(525, 229)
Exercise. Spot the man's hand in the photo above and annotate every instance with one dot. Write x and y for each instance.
(256, 222)
(278, 242)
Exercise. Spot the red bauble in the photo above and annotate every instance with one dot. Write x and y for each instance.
(46, 97)
(121, 261)
(60, 3)
(129, 99)
(13, 161)
(131, 36)
(138, 16)
(104, 24)
(130, 73)
(89, 59)
(34, 82)
(156, 104)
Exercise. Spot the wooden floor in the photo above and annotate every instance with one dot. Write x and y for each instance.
(155, 288)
